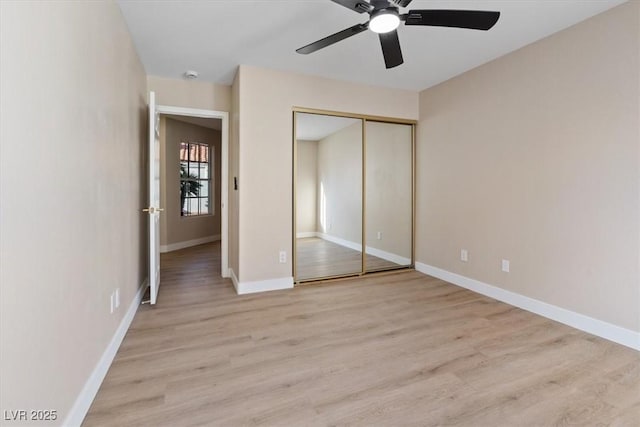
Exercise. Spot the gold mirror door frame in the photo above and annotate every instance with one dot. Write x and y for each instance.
(372, 258)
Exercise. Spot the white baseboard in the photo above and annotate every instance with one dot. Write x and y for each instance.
(588, 324)
(305, 234)
(243, 288)
(388, 256)
(85, 398)
(234, 279)
(188, 243)
(342, 242)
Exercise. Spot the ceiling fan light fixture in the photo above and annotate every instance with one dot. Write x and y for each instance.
(384, 20)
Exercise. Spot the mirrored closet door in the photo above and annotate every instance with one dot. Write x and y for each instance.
(328, 197)
(353, 189)
(389, 195)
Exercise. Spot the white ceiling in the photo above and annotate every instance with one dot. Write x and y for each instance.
(314, 127)
(213, 37)
(215, 124)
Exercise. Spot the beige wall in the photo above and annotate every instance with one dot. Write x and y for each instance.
(306, 182)
(266, 98)
(190, 93)
(389, 190)
(176, 228)
(534, 158)
(339, 184)
(73, 108)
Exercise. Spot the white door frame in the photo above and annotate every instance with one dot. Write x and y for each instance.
(224, 173)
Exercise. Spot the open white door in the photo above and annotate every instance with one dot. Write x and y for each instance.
(154, 199)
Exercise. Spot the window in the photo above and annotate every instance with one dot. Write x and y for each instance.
(195, 179)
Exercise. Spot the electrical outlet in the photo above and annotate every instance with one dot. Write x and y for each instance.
(379, 235)
(283, 257)
(117, 297)
(113, 302)
(505, 265)
(464, 255)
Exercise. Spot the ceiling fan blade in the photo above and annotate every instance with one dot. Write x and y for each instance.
(401, 3)
(360, 6)
(391, 49)
(333, 38)
(471, 19)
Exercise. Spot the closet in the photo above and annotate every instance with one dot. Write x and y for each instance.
(353, 193)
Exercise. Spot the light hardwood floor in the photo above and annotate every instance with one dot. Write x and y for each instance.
(403, 349)
(318, 258)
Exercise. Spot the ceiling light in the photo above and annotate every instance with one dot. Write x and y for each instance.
(384, 20)
(190, 74)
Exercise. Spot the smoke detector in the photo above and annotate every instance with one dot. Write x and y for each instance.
(190, 74)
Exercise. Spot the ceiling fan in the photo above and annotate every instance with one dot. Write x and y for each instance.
(384, 19)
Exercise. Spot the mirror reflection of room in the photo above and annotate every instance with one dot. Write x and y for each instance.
(336, 213)
(328, 196)
(389, 195)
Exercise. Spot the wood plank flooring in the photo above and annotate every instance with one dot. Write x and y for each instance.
(402, 349)
(318, 258)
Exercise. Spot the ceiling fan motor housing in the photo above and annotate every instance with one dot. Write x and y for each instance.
(380, 4)
(384, 20)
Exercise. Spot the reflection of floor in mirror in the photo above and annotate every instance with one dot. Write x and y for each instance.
(317, 258)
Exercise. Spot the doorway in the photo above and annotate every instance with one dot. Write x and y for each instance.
(194, 179)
